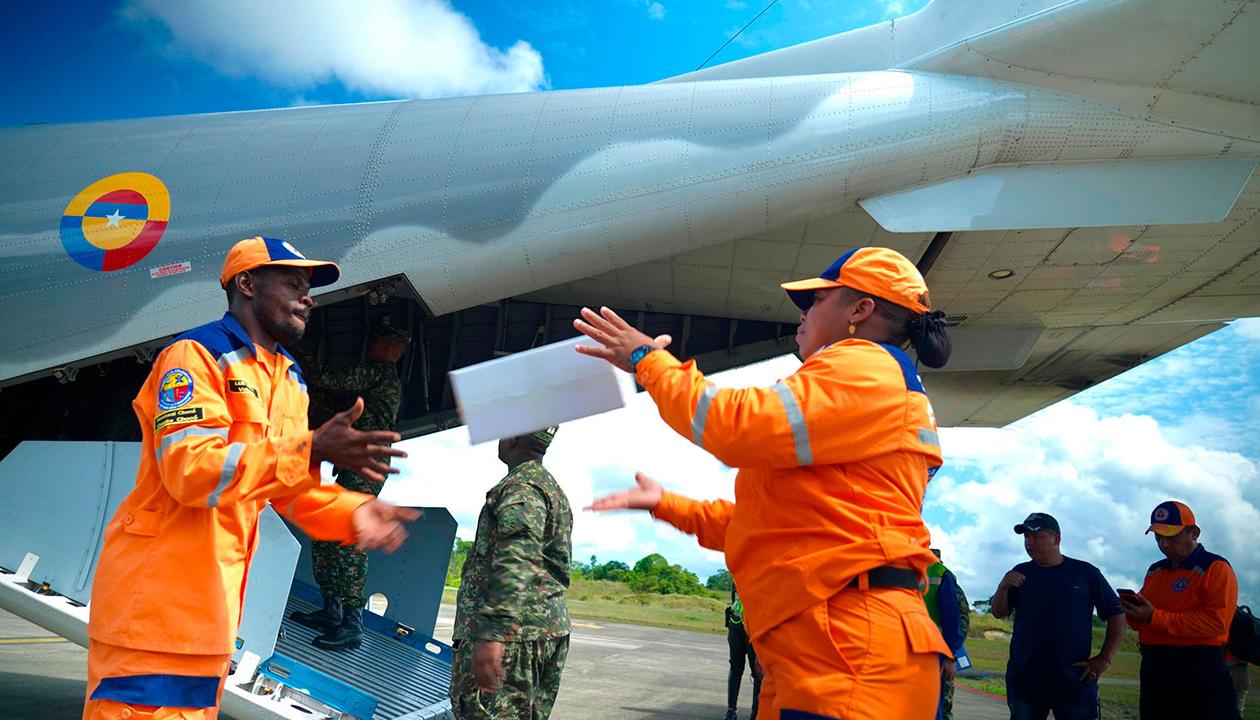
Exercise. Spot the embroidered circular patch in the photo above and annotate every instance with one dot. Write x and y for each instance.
(175, 390)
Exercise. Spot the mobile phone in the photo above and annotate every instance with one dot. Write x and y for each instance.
(1125, 592)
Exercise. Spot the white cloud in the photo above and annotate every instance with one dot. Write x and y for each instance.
(891, 8)
(735, 5)
(407, 48)
(1100, 477)
(655, 10)
(1248, 328)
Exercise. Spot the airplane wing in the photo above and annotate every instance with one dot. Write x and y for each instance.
(1076, 179)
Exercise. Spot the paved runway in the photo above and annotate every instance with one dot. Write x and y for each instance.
(621, 671)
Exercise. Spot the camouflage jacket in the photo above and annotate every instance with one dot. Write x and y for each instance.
(377, 382)
(514, 578)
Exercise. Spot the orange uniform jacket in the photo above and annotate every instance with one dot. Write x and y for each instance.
(225, 430)
(1194, 601)
(834, 461)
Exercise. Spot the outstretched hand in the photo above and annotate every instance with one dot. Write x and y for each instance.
(381, 526)
(618, 337)
(646, 495)
(355, 450)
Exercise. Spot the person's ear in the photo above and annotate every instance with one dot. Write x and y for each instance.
(861, 310)
(246, 284)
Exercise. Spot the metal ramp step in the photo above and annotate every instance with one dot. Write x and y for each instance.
(407, 673)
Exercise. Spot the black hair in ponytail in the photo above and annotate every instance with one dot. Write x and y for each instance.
(930, 338)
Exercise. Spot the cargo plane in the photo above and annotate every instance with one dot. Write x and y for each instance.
(1075, 179)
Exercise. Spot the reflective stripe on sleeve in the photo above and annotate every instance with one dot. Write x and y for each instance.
(796, 420)
(233, 357)
(929, 437)
(702, 414)
(227, 473)
(178, 435)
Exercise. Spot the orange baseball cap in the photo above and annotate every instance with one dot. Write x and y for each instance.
(259, 251)
(1169, 518)
(882, 272)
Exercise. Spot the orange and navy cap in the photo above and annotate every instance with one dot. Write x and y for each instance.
(877, 271)
(259, 251)
(1169, 518)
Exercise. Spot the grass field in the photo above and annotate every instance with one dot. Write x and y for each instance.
(615, 602)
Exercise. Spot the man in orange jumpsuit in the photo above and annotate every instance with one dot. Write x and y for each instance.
(223, 416)
(825, 540)
(1182, 616)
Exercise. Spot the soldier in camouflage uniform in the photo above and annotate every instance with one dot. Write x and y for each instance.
(511, 632)
(947, 604)
(341, 570)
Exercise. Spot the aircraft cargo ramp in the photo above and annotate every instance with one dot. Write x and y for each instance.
(402, 669)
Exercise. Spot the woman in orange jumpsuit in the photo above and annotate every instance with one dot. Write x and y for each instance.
(825, 540)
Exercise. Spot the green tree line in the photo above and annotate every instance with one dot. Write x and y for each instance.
(651, 574)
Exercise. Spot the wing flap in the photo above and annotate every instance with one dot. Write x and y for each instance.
(1068, 195)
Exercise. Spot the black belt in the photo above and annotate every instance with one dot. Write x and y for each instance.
(1182, 652)
(887, 577)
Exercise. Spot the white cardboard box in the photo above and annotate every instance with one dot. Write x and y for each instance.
(534, 389)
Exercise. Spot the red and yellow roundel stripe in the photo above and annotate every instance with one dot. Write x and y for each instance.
(114, 222)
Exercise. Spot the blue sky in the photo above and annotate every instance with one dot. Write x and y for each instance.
(106, 60)
(1179, 426)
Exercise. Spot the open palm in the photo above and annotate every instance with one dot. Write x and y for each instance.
(646, 495)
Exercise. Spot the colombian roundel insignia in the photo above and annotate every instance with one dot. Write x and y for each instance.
(175, 390)
(1161, 514)
(114, 222)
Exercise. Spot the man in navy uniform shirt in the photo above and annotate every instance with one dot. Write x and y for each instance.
(1054, 598)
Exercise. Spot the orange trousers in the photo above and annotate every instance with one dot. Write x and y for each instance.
(863, 655)
(112, 661)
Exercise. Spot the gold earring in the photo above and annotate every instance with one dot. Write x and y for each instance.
(852, 328)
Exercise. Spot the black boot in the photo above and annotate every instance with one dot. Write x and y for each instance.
(730, 714)
(324, 619)
(346, 636)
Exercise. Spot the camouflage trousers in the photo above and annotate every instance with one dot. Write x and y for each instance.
(341, 570)
(947, 700)
(533, 670)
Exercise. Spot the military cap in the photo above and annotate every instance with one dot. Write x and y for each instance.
(387, 329)
(546, 435)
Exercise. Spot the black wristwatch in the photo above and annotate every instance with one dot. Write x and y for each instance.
(638, 354)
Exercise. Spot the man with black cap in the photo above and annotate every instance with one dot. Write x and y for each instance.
(1182, 617)
(341, 570)
(1050, 666)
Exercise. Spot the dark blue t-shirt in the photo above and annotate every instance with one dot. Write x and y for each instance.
(1053, 620)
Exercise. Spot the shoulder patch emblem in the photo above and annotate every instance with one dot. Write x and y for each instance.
(242, 387)
(175, 390)
(1181, 585)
